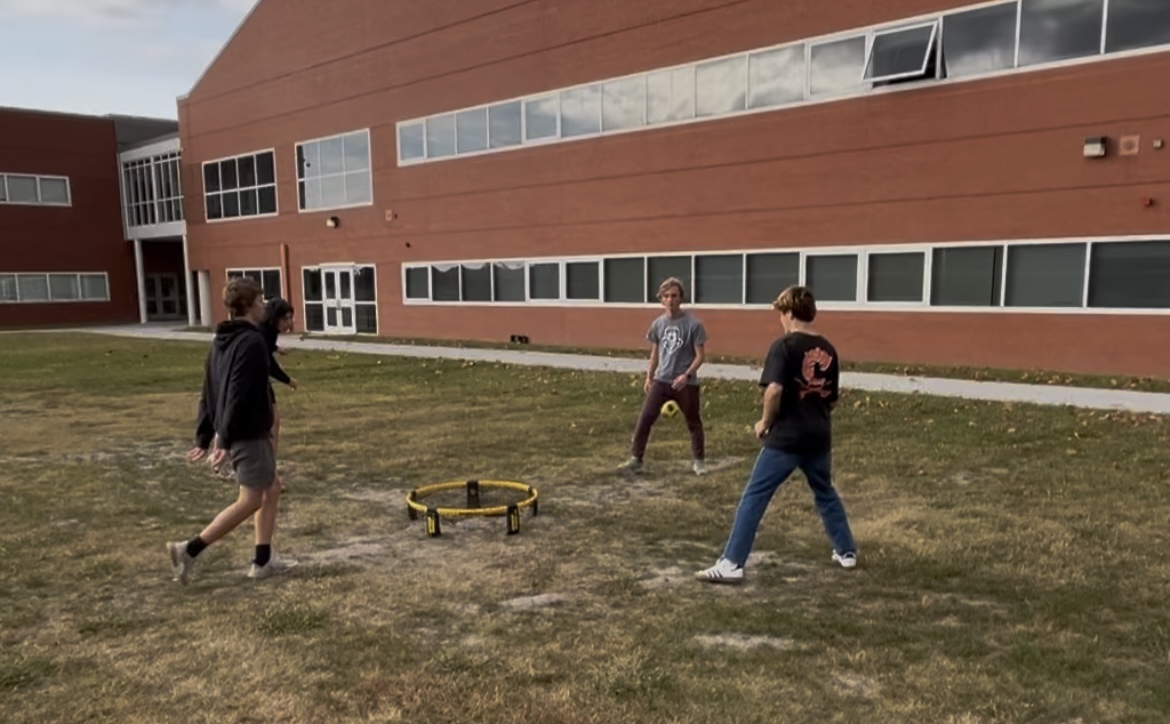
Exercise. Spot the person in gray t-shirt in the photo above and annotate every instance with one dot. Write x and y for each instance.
(678, 352)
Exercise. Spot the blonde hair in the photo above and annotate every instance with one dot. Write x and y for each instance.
(672, 282)
(799, 301)
(240, 294)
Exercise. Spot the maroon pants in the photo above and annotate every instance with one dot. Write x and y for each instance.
(688, 401)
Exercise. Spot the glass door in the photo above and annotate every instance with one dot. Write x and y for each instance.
(339, 301)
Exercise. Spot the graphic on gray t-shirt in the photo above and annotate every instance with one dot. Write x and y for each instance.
(676, 339)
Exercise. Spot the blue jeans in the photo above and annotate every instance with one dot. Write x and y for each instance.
(771, 470)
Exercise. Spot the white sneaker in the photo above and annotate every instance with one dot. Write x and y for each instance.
(181, 561)
(724, 571)
(699, 467)
(272, 567)
(633, 465)
(847, 560)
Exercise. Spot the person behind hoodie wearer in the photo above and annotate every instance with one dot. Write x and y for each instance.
(678, 341)
(278, 319)
(236, 409)
(800, 381)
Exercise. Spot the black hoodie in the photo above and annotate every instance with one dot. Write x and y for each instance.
(235, 403)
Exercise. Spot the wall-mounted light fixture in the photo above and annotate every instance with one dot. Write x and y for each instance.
(1094, 147)
(333, 222)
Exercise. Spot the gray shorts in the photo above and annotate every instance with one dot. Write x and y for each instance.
(254, 463)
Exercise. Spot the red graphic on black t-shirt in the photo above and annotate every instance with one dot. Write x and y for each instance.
(816, 363)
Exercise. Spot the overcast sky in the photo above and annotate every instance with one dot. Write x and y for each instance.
(109, 56)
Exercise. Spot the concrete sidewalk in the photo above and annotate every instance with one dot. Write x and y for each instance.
(1104, 399)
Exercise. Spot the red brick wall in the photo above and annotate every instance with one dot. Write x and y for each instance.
(86, 237)
(981, 160)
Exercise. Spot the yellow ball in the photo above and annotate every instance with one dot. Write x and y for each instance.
(670, 409)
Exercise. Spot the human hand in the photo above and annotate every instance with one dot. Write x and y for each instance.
(646, 385)
(217, 459)
(196, 454)
(281, 351)
(292, 382)
(761, 429)
(679, 382)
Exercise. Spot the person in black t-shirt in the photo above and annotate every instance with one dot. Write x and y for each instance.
(800, 382)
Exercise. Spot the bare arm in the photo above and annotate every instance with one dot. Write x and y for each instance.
(652, 366)
(771, 406)
(700, 357)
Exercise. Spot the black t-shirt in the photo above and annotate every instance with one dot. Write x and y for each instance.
(806, 367)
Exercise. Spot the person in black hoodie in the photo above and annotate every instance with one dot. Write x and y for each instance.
(278, 319)
(236, 411)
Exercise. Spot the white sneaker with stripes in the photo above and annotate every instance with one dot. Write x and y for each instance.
(724, 571)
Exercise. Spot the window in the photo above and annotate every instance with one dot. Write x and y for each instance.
(541, 118)
(36, 288)
(504, 126)
(34, 190)
(471, 130)
(776, 77)
(836, 67)
(269, 280)
(1134, 275)
(334, 172)
(721, 86)
(418, 283)
(582, 280)
(1052, 30)
(151, 190)
(966, 276)
(365, 300)
(1045, 275)
(898, 277)
(544, 281)
(660, 268)
(670, 95)
(508, 281)
(719, 279)
(314, 294)
(1134, 24)
(476, 283)
(240, 187)
(581, 111)
(904, 53)
(623, 104)
(441, 136)
(412, 141)
(625, 280)
(832, 278)
(769, 274)
(445, 283)
(980, 41)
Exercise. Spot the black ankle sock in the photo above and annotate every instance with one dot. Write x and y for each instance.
(263, 555)
(195, 546)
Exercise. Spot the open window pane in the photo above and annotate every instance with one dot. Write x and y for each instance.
(1052, 30)
(719, 279)
(477, 283)
(832, 278)
(836, 67)
(445, 283)
(770, 274)
(902, 53)
(625, 280)
(544, 281)
(979, 41)
(1045, 275)
(582, 280)
(776, 77)
(661, 268)
(411, 141)
(1134, 24)
(896, 277)
(509, 281)
(721, 86)
(1130, 275)
(418, 284)
(966, 276)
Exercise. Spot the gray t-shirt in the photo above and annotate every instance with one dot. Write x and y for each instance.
(676, 339)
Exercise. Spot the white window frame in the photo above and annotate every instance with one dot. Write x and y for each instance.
(243, 270)
(37, 178)
(932, 47)
(48, 287)
(344, 172)
(275, 185)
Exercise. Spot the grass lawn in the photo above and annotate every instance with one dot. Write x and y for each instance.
(1012, 568)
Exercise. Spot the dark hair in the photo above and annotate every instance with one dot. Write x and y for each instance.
(798, 300)
(276, 309)
(240, 294)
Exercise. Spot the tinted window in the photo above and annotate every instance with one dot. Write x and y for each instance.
(1052, 30)
(832, 278)
(445, 284)
(477, 283)
(966, 276)
(581, 280)
(770, 274)
(509, 279)
(270, 282)
(660, 268)
(364, 288)
(979, 41)
(1132, 275)
(719, 279)
(367, 318)
(896, 277)
(418, 283)
(1045, 275)
(625, 280)
(1137, 24)
(544, 281)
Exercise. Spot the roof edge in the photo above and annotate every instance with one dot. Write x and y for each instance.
(215, 58)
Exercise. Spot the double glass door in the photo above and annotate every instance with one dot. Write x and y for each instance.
(341, 299)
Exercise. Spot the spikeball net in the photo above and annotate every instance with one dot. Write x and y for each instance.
(415, 505)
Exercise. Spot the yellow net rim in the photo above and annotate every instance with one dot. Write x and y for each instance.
(424, 490)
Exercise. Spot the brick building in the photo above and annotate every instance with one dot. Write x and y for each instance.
(977, 184)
